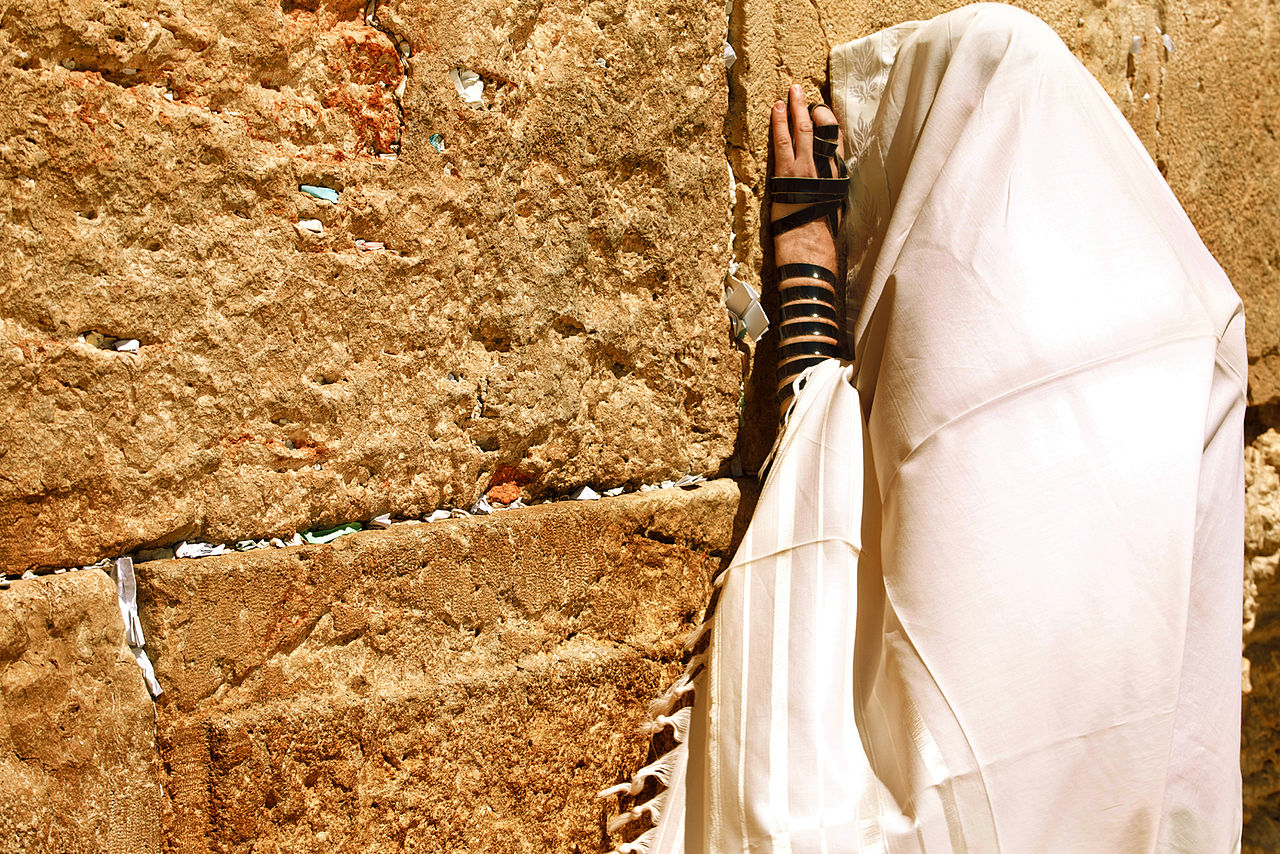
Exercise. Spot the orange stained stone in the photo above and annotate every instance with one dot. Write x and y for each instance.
(504, 493)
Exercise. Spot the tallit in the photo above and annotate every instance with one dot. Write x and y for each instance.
(989, 600)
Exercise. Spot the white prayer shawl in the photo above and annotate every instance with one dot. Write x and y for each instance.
(989, 601)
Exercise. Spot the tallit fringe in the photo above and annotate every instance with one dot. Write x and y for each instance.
(662, 767)
(640, 845)
(696, 635)
(660, 711)
(678, 722)
(654, 807)
(664, 703)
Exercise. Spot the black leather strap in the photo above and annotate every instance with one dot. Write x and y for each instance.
(824, 195)
(809, 308)
(809, 326)
(818, 292)
(825, 149)
(826, 348)
(806, 271)
(809, 214)
(787, 374)
(826, 153)
(799, 191)
(792, 365)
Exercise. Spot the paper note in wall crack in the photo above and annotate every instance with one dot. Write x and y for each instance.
(468, 83)
(324, 194)
(327, 535)
(127, 599)
(196, 550)
(148, 673)
(748, 318)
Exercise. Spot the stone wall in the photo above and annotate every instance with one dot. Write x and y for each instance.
(78, 770)
(548, 296)
(527, 288)
(462, 686)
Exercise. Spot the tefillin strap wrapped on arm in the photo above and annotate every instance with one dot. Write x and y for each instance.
(810, 329)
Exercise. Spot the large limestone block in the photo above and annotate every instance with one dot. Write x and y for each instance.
(460, 686)
(1260, 738)
(1206, 111)
(552, 300)
(78, 759)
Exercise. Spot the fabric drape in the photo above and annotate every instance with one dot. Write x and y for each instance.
(989, 600)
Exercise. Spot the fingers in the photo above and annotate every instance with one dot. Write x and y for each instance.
(791, 129)
(783, 153)
(822, 115)
(801, 125)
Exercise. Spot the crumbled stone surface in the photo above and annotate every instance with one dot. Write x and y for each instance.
(1260, 736)
(79, 767)
(550, 294)
(465, 685)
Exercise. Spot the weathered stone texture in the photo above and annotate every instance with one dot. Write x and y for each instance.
(460, 686)
(1207, 113)
(79, 768)
(555, 302)
(1260, 738)
(552, 302)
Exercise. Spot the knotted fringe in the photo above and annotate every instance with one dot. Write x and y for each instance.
(678, 722)
(696, 635)
(660, 768)
(676, 761)
(667, 767)
(664, 703)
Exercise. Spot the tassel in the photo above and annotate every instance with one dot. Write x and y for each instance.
(660, 768)
(639, 846)
(622, 819)
(664, 836)
(663, 703)
(653, 807)
(696, 635)
(620, 789)
(678, 722)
